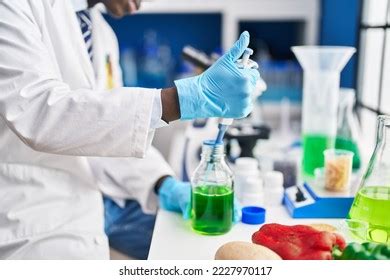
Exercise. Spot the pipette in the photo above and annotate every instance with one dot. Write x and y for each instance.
(224, 123)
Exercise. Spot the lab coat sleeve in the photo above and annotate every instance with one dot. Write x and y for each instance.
(131, 178)
(49, 116)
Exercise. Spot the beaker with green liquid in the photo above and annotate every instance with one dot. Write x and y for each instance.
(212, 193)
(321, 84)
(372, 202)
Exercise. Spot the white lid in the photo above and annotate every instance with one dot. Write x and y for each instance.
(273, 179)
(247, 163)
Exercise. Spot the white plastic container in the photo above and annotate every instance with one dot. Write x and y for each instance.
(248, 185)
(273, 188)
(253, 194)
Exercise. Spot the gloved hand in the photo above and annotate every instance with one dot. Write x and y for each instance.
(175, 196)
(236, 211)
(223, 90)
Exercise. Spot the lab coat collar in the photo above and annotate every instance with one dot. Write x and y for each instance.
(79, 5)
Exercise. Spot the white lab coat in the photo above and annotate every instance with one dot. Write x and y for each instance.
(51, 115)
(122, 178)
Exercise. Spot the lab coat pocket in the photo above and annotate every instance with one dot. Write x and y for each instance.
(36, 200)
(63, 245)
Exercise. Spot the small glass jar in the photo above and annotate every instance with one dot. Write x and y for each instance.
(212, 193)
(338, 170)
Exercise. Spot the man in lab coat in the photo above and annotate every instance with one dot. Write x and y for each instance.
(54, 113)
(130, 185)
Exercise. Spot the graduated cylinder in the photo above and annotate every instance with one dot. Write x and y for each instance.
(321, 86)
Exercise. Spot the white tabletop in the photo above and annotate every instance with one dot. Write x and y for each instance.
(173, 238)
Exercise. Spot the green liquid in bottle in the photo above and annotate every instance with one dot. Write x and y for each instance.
(212, 209)
(372, 205)
(349, 145)
(314, 146)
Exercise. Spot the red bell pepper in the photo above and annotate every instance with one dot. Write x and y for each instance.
(298, 242)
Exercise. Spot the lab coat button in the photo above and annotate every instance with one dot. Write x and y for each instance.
(99, 240)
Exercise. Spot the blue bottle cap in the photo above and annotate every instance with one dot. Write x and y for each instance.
(253, 215)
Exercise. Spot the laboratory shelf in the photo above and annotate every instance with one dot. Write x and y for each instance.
(235, 11)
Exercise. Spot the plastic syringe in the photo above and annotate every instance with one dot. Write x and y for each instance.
(224, 123)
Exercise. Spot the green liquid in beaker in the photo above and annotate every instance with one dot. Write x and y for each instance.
(314, 146)
(212, 209)
(349, 145)
(372, 205)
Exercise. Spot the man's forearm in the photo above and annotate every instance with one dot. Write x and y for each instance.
(170, 104)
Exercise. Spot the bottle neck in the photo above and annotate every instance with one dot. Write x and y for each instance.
(378, 168)
(213, 153)
(383, 134)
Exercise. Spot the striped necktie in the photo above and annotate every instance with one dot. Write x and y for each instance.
(84, 18)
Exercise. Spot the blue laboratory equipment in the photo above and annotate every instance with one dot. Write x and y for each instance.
(310, 201)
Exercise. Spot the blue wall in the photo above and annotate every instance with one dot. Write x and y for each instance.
(339, 26)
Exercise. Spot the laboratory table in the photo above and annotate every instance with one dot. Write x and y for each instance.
(173, 238)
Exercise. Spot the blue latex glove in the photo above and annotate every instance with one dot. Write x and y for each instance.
(223, 90)
(175, 196)
(237, 214)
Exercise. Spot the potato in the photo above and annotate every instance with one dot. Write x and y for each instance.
(239, 250)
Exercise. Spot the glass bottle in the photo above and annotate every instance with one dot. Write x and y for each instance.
(372, 202)
(348, 126)
(212, 192)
